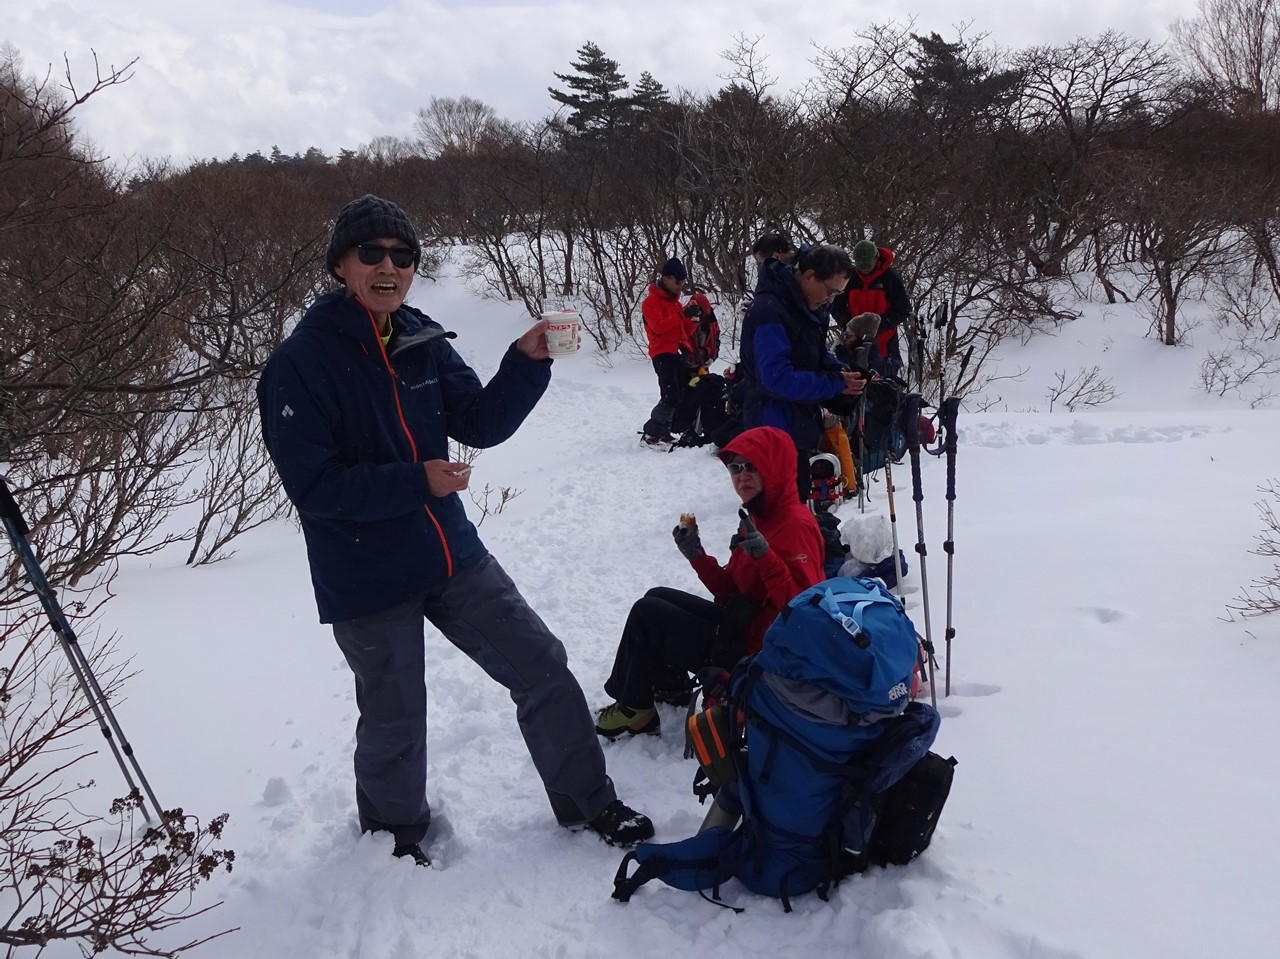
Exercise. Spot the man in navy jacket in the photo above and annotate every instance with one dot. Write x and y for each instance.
(789, 373)
(357, 407)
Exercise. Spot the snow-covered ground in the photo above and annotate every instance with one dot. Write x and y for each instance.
(1115, 794)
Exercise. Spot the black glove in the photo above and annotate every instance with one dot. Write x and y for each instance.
(692, 310)
(688, 542)
(748, 538)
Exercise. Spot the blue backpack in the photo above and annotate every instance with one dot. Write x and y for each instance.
(817, 725)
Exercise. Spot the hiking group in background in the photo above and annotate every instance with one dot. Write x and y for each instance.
(801, 368)
(814, 746)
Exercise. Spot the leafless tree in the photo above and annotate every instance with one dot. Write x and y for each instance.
(1177, 219)
(1076, 101)
(458, 125)
(1234, 46)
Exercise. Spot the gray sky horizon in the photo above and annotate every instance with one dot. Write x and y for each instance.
(235, 76)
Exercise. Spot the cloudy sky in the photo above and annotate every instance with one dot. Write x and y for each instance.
(226, 76)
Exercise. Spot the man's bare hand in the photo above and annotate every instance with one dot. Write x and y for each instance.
(444, 477)
(854, 384)
(533, 343)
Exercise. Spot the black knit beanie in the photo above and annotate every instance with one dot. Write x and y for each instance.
(369, 218)
(673, 267)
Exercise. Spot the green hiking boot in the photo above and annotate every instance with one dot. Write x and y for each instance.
(614, 720)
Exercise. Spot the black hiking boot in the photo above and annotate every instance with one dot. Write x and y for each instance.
(620, 825)
(412, 851)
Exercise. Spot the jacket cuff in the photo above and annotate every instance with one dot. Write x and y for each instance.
(535, 370)
(420, 481)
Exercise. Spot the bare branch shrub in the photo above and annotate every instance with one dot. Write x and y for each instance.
(98, 881)
(239, 491)
(1244, 364)
(1086, 388)
(484, 500)
(1263, 594)
(461, 453)
(1249, 318)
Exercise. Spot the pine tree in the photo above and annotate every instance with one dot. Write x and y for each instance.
(954, 84)
(648, 92)
(596, 107)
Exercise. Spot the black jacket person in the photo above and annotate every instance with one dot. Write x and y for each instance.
(875, 287)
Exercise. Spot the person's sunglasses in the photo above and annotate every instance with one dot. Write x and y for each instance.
(371, 255)
(736, 468)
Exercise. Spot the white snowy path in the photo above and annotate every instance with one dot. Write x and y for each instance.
(1116, 790)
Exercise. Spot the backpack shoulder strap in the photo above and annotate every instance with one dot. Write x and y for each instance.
(703, 861)
(829, 601)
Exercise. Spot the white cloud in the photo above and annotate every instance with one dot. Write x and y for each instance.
(237, 76)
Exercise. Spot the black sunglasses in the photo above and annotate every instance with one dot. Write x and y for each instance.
(371, 255)
(736, 468)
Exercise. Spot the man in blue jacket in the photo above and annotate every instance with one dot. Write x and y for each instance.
(789, 373)
(357, 407)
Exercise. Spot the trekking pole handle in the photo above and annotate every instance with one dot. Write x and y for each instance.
(947, 413)
(862, 357)
(9, 509)
(909, 408)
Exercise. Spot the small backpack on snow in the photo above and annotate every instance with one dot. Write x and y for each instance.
(830, 762)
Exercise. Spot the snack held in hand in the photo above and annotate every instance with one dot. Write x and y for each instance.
(688, 520)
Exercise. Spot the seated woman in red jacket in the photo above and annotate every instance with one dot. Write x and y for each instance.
(776, 553)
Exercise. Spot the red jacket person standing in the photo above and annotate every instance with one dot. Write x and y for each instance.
(668, 330)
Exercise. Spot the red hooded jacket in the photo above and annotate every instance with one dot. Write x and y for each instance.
(665, 324)
(793, 561)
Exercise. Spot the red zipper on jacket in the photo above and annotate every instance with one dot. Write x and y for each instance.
(413, 446)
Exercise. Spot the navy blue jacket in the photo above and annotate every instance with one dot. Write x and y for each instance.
(348, 426)
(789, 372)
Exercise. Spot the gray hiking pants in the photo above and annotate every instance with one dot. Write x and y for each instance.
(482, 613)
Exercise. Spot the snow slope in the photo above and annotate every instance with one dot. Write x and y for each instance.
(1114, 795)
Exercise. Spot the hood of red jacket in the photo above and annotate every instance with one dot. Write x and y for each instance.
(773, 453)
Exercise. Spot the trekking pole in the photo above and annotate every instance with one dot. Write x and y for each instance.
(947, 420)
(16, 528)
(893, 521)
(940, 324)
(922, 336)
(911, 427)
(858, 333)
(860, 358)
